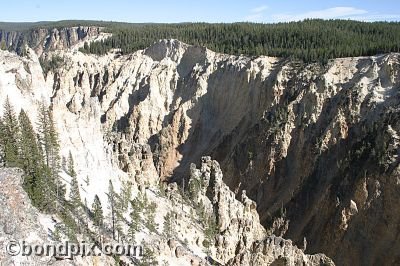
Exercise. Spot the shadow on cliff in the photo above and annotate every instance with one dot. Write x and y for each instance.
(220, 117)
(311, 188)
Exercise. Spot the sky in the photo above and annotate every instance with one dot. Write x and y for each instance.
(198, 11)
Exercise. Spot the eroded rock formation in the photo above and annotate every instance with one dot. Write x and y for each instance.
(42, 39)
(316, 147)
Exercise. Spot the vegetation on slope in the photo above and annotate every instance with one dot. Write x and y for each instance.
(308, 40)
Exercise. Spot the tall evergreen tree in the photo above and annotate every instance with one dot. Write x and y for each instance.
(3, 45)
(55, 160)
(70, 165)
(43, 197)
(210, 231)
(30, 158)
(112, 206)
(126, 193)
(150, 217)
(49, 147)
(71, 226)
(10, 133)
(149, 257)
(87, 212)
(29, 150)
(97, 210)
(169, 224)
(43, 127)
(49, 139)
(74, 194)
(135, 217)
(2, 137)
(64, 164)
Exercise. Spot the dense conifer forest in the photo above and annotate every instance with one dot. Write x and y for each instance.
(308, 40)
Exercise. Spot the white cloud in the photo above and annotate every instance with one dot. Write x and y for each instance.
(259, 9)
(329, 13)
(256, 14)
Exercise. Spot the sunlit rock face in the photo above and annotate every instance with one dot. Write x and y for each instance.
(42, 40)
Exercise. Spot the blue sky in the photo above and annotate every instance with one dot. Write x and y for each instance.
(195, 11)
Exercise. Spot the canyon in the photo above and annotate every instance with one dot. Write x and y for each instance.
(308, 152)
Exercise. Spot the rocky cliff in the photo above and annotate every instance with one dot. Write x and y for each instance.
(20, 221)
(48, 39)
(239, 238)
(316, 147)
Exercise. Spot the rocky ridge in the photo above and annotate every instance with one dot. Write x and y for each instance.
(48, 39)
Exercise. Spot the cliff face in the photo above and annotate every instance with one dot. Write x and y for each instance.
(316, 147)
(323, 162)
(241, 240)
(48, 39)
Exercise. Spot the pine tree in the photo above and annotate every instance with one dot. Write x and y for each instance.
(2, 137)
(70, 165)
(3, 45)
(71, 227)
(126, 193)
(194, 189)
(169, 222)
(55, 146)
(87, 213)
(31, 160)
(64, 164)
(49, 147)
(97, 210)
(86, 47)
(74, 194)
(144, 201)
(58, 232)
(49, 139)
(135, 217)
(149, 257)
(10, 133)
(97, 215)
(111, 201)
(121, 204)
(210, 231)
(43, 196)
(43, 127)
(150, 217)
(162, 187)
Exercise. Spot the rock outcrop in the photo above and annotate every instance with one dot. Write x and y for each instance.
(240, 238)
(237, 222)
(43, 39)
(20, 221)
(277, 251)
